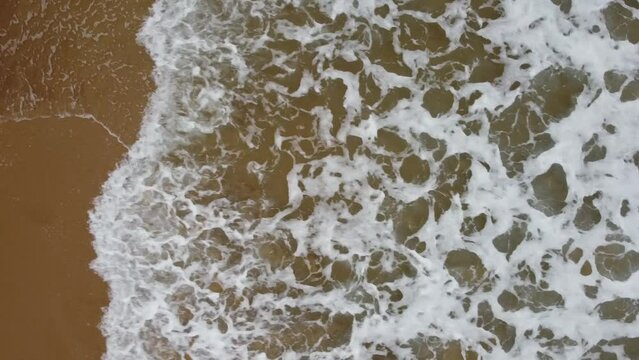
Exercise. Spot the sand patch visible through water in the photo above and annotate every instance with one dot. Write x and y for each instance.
(396, 179)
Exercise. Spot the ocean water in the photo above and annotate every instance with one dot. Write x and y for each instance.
(441, 179)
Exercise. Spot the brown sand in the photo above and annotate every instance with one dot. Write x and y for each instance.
(53, 163)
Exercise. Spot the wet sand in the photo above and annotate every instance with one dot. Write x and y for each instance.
(68, 71)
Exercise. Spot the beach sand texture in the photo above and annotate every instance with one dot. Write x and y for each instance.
(388, 179)
(73, 87)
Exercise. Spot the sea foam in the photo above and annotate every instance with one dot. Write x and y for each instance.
(379, 179)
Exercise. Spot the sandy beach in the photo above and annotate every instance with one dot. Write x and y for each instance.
(406, 179)
(73, 87)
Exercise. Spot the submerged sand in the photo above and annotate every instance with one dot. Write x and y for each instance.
(73, 87)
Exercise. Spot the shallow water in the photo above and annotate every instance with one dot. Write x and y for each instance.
(379, 179)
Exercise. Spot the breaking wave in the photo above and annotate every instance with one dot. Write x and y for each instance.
(385, 179)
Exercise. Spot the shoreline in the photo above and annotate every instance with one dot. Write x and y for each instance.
(80, 101)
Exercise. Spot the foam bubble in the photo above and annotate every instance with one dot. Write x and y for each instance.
(359, 179)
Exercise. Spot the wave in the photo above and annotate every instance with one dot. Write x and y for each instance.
(395, 179)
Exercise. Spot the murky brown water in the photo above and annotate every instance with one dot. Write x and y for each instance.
(390, 185)
(345, 169)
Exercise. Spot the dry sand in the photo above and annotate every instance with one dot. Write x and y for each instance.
(67, 70)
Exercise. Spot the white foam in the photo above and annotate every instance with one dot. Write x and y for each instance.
(145, 239)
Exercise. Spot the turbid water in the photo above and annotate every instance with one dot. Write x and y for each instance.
(439, 179)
